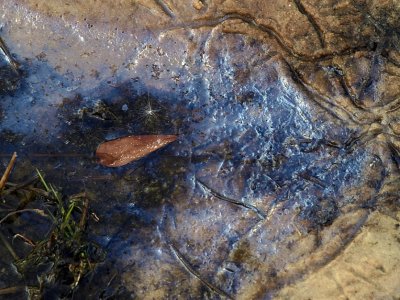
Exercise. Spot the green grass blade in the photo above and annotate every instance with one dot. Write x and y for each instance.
(42, 180)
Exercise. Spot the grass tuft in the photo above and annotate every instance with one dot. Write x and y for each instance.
(59, 252)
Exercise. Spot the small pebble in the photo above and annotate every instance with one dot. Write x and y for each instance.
(197, 4)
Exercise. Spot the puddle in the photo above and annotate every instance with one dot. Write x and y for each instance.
(274, 170)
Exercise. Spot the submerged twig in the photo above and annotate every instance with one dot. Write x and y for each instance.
(7, 55)
(85, 209)
(11, 187)
(24, 238)
(166, 9)
(38, 211)
(7, 172)
(192, 271)
(12, 290)
(8, 246)
(312, 179)
(260, 213)
(393, 105)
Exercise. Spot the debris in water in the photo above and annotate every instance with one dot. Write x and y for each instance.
(7, 172)
(7, 56)
(9, 70)
(124, 150)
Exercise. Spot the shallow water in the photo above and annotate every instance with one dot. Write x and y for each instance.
(274, 170)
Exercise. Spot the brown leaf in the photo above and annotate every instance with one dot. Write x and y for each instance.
(124, 150)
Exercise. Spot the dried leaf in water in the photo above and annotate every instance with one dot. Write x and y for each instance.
(124, 150)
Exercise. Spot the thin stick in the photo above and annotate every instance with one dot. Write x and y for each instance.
(166, 9)
(192, 271)
(8, 246)
(8, 56)
(260, 213)
(24, 238)
(12, 290)
(7, 172)
(82, 222)
(14, 187)
(38, 211)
